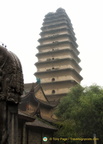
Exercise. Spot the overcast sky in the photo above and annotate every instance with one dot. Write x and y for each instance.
(20, 25)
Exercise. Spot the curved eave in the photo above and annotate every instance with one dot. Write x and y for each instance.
(48, 104)
(31, 97)
(56, 43)
(24, 116)
(27, 97)
(41, 124)
(56, 95)
(42, 103)
(57, 70)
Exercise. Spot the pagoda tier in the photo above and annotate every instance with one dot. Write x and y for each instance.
(47, 23)
(50, 55)
(58, 62)
(58, 37)
(57, 27)
(58, 44)
(54, 26)
(57, 75)
(57, 31)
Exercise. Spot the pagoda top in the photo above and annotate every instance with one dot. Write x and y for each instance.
(60, 10)
(57, 11)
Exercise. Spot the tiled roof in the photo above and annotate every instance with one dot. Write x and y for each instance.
(25, 116)
(31, 96)
(41, 124)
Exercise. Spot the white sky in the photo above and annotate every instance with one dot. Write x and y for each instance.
(20, 25)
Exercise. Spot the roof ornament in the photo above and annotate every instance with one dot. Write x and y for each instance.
(60, 10)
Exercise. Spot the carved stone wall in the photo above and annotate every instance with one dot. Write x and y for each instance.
(11, 78)
(11, 89)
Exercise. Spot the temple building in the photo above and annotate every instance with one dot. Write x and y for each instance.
(58, 63)
(36, 116)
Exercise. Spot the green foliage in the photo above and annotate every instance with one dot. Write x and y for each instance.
(81, 112)
(68, 102)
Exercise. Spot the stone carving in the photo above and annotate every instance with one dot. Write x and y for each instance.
(11, 78)
(11, 88)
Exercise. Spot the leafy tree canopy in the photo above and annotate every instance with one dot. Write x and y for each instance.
(81, 112)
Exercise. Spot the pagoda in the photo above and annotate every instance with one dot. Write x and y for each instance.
(58, 63)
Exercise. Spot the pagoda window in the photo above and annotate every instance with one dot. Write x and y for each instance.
(53, 79)
(53, 91)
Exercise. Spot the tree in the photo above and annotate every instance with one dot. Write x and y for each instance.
(81, 113)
